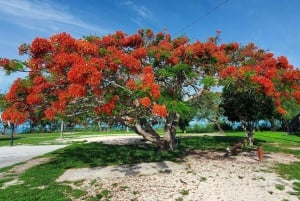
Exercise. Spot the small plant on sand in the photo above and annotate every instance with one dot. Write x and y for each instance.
(104, 194)
(279, 187)
(184, 192)
(202, 179)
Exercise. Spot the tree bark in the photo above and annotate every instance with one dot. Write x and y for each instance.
(170, 130)
(250, 138)
(61, 129)
(249, 128)
(12, 135)
(142, 127)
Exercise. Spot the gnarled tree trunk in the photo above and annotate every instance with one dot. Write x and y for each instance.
(168, 142)
(170, 130)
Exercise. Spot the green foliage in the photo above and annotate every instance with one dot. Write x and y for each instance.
(208, 81)
(246, 105)
(179, 107)
(207, 106)
(173, 71)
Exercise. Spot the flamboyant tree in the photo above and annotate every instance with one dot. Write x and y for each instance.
(256, 83)
(136, 79)
(133, 79)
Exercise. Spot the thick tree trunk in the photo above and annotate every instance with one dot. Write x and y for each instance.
(250, 138)
(249, 128)
(170, 130)
(142, 127)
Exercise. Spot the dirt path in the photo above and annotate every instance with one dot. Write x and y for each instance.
(10, 155)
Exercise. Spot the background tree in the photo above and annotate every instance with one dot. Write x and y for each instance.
(207, 107)
(254, 83)
(247, 107)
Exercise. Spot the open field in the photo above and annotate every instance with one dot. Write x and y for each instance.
(197, 164)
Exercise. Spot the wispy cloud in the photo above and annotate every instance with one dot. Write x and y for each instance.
(141, 11)
(43, 16)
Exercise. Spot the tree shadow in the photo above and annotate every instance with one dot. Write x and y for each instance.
(99, 154)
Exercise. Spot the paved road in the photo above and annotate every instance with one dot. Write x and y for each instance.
(20, 153)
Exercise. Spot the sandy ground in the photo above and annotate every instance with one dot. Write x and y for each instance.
(201, 176)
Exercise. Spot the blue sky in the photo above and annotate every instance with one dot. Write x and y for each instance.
(270, 24)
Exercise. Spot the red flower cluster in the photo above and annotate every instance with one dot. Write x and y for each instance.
(266, 83)
(133, 64)
(85, 47)
(139, 53)
(16, 89)
(40, 47)
(228, 72)
(146, 102)
(159, 110)
(4, 62)
(296, 94)
(50, 113)
(131, 84)
(33, 99)
(14, 116)
(283, 62)
(77, 90)
(109, 106)
(63, 42)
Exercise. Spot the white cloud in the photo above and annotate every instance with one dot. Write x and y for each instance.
(141, 11)
(43, 16)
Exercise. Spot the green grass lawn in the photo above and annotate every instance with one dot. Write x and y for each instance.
(39, 181)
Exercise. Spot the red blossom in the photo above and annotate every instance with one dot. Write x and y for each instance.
(146, 102)
(155, 91)
(40, 47)
(63, 42)
(228, 72)
(296, 94)
(139, 53)
(159, 110)
(77, 90)
(133, 64)
(85, 47)
(283, 62)
(131, 84)
(281, 110)
(109, 106)
(50, 113)
(4, 62)
(33, 99)
(14, 116)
